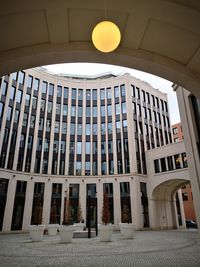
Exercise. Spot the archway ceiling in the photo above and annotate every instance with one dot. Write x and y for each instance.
(158, 36)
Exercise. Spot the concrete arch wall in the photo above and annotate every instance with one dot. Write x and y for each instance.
(162, 204)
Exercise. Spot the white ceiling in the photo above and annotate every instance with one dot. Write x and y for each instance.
(158, 36)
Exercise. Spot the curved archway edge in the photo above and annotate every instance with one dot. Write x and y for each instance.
(34, 56)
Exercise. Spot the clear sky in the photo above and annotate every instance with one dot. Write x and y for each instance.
(94, 69)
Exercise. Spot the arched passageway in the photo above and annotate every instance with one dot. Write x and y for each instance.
(165, 211)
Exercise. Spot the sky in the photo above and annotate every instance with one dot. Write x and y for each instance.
(163, 85)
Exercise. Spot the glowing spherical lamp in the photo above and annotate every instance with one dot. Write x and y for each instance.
(106, 36)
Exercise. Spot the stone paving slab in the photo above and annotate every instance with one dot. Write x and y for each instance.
(147, 248)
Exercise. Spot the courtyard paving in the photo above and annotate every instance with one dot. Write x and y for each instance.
(147, 248)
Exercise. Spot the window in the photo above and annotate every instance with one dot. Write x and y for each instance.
(94, 148)
(88, 112)
(42, 105)
(103, 147)
(51, 89)
(48, 125)
(79, 129)
(50, 107)
(6, 135)
(109, 93)
(170, 163)
(34, 102)
(124, 123)
(94, 112)
(4, 88)
(103, 128)
(1, 109)
(65, 95)
(41, 124)
(78, 167)
(87, 129)
(137, 93)
(65, 110)
(87, 168)
(62, 147)
(166, 108)
(12, 92)
(30, 81)
(153, 100)
(88, 94)
(9, 113)
(74, 93)
(156, 166)
(124, 108)
(138, 110)
(94, 129)
(39, 144)
(58, 109)
(184, 159)
(110, 127)
(79, 148)
(175, 130)
(59, 91)
(64, 128)
(72, 129)
(36, 84)
(163, 164)
(116, 90)
(55, 146)
(110, 147)
(80, 112)
(87, 148)
(157, 102)
(145, 112)
(44, 87)
(185, 196)
(94, 94)
(57, 127)
(102, 94)
(30, 142)
(109, 110)
(16, 116)
(19, 96)
(178, 161)
(143, 96)
(73, 111)
(102, 111)
(46, 145)
(148, 97)
(80, 94)
(118, 127)
(71, 148)
(123, 90)
(133, 90)
(22, 140)
(32, 122)
(21, 76)
(117, 109)
(176, 139)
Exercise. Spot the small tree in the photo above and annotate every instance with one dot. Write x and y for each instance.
(105, 209)
(53, 215)
(67, 216)
(37, 212)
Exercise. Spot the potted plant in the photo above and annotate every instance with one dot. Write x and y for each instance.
(36, 230)
(53, 226)
(105, 229)
(66, 229)
(126, 227)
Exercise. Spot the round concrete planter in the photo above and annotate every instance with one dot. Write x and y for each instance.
(52, 229)
(105, 232)
(127, 230)
(79, 226)
(36, 232)
(66, 233)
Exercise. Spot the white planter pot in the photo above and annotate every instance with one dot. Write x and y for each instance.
(105, 232)
(66, 233)
(127, 230)
(52, 229)
(36, 232)
(79, 226)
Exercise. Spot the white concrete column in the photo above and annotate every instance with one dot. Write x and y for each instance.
(28, 205)
(47, 202)
(99, 188)
(181, 207)
(9, 205)
(117, 203)
(152, 213)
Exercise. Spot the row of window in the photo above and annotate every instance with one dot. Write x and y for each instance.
(170, 163)
(155, 101)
